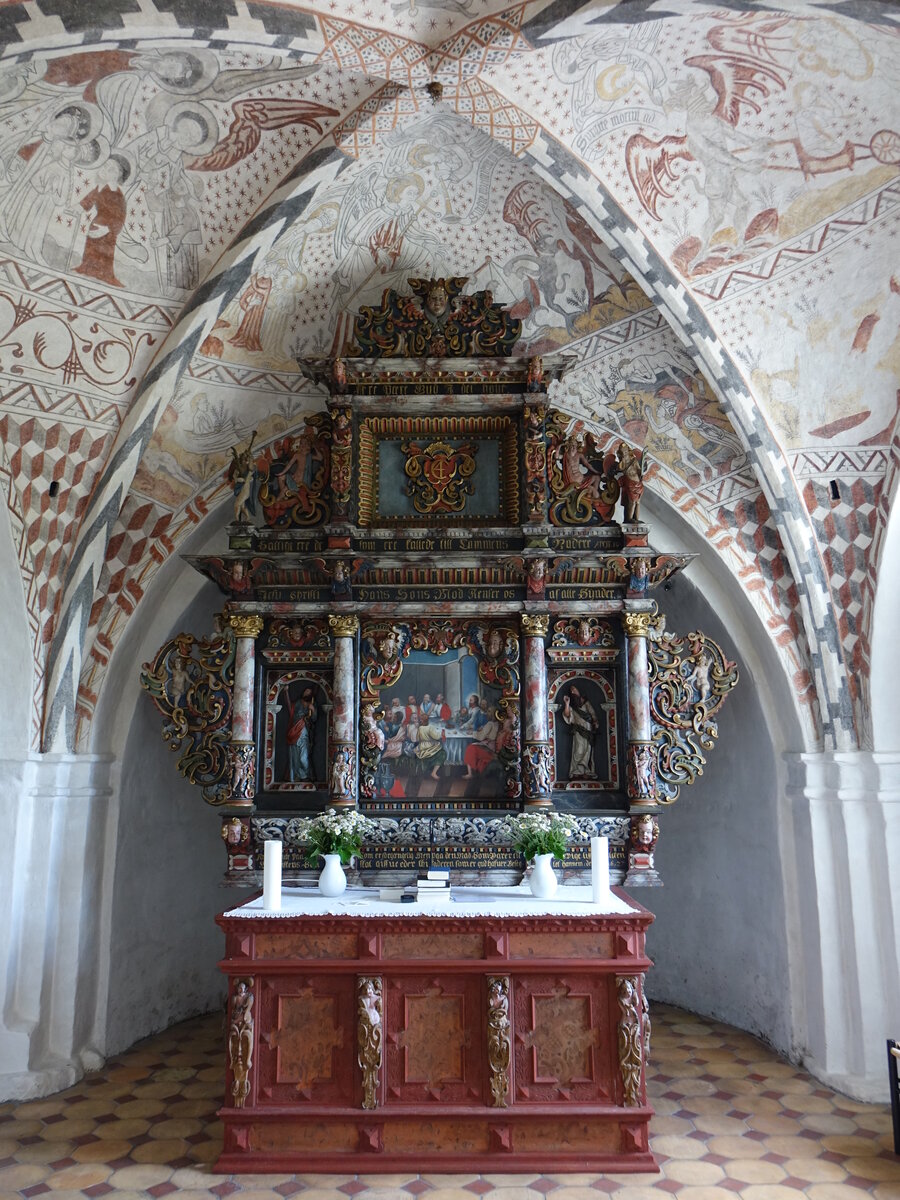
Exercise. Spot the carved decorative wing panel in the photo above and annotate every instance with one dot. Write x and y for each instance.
(689, 680)
(191, 682)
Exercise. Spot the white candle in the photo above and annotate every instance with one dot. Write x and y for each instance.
(272, 877)
(599, 869)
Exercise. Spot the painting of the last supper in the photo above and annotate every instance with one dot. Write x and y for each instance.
(440, 723)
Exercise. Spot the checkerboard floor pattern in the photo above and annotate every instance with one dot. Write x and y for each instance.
(732, 1119)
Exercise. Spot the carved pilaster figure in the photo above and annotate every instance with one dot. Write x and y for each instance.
(629, 1039)
(341, 458)
(246, 628)
(499, 1039)
(536, 764)
(243, 771)
(641, 773)
(342, 754)
(536, 756)
(535, 463)
(369, 1036)
(240, 1040)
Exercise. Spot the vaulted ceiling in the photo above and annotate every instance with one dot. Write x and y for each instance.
(697, 201)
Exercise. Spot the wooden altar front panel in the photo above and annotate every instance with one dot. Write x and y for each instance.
(563, 1090)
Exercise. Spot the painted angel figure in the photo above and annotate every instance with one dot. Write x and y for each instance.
(699, 677)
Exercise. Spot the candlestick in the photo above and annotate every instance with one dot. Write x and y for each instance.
(600, 869)
(272, 877)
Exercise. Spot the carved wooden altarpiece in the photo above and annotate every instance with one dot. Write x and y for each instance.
(433, 612)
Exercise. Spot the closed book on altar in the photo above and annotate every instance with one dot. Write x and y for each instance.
(433, 885)
(433, 899)
(438, 873)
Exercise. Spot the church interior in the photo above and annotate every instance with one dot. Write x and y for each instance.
(679, 220)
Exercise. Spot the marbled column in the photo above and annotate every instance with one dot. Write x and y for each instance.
(536, 744)
(641, 763)
(342, 751)
(247, 629)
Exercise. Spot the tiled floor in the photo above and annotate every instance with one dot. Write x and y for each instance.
(731, 1119)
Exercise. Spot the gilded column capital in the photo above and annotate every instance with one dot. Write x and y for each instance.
(246, 625)
(637, 624)
(535, 624)
(343, 624)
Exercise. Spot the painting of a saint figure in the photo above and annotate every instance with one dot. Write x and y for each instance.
(298, 710)
(299, 735)
(583, 717)
(579, 714)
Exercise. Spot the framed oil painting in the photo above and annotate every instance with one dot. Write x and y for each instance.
(439, 715)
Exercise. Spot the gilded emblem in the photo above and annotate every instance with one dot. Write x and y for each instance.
(439, 475)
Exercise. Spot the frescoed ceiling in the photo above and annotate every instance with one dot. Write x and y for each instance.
(697, 201)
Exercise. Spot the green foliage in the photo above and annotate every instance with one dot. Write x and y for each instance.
(541, 833)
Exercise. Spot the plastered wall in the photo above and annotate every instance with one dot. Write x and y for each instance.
(720, 940)
(164, 944)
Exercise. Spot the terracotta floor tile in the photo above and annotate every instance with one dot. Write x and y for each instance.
(878, 1170)
(733, 1121)
(693, 1171)
(755, 1170)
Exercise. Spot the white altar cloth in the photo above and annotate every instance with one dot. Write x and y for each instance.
(572, 900)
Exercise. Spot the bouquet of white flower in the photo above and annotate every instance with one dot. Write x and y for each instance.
(337, 833)
(541, 833)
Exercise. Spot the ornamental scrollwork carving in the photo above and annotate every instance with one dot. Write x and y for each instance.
(341, 453)
(583, 631)
(191, 682)
(297, 634)
(382, 649)
(343, 624)
(689, 680)
(246, 625)
(240, 1040)
(369, 1036)
(293, 475)
(439, 476)
(499, 1039)
(583, 486)
(436, 321)
(629, 1039)
(535, 624)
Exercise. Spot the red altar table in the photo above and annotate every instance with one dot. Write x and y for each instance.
(500, 1033)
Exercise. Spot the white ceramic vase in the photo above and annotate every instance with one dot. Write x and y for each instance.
(332, 881)
(543, 877)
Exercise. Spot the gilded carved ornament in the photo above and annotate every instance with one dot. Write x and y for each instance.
(240, 1040)
(343, 624)
(369, 1036)
(629, 1039)
(246, 625)
(689, 680)
(535, 624)
(499, 1039)
(191, 681)
(637, 624)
